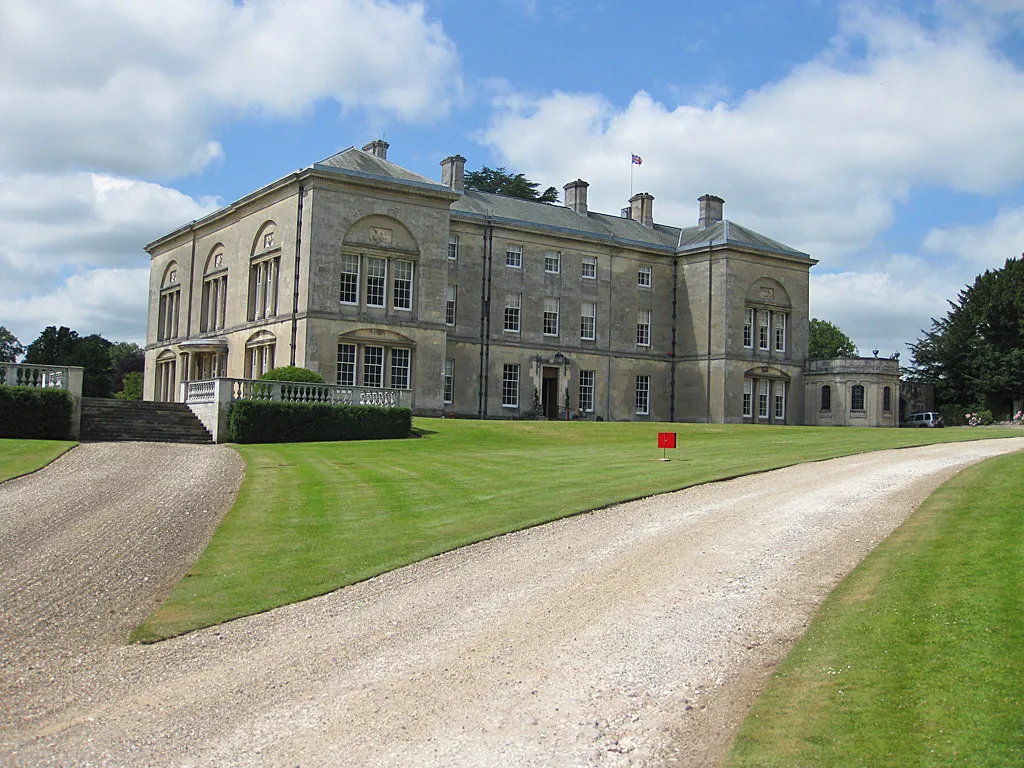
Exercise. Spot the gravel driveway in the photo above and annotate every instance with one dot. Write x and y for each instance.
(635, 635)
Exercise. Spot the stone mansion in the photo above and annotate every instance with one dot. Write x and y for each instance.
(481, 305)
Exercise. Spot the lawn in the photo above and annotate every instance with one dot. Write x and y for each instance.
(19, 457)
(312, 517)
(915, 659)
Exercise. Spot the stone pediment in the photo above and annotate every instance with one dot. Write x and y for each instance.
(377, 336)
(381, 232)
(766, 372)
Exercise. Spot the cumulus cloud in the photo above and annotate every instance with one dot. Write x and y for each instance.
(984, 246)
(133, 88)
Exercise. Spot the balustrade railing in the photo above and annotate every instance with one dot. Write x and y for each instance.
(40, 376)
(197, 392)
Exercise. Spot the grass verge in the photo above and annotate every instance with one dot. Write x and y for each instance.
(915, 658)
(19, 457)
(313, 517)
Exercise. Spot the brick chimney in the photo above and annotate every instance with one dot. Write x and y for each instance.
(710, 210)
(453, 172)
(378, 148)
(576, 196)
(641, 208)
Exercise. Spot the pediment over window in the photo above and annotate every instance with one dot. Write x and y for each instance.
(767, 372)
(767, 291)
(381, 232)
(376, 336)
(204, 345)
(258, 339)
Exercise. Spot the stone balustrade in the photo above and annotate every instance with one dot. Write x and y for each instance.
(67, 377)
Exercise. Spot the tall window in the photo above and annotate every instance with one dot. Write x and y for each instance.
(349, 279)
(780, 331)
(165, 377)
(514, 256)
(748, 328)
(589, 267)
(553, 262)
(764, 329)
(780, 400)
(826, 398)
(263, 281)
(510, 386)
(449, 305)
(347, 365)
(587, 391)
(376, 279)
(513, 307)
(643, 328)
(215, 294)
(643, 395)
(373, 366)
(643, 277)
(399, 369)
(259, 355)
(588, 321)
(449, 380)
(402, 285)
(857, 398)
(170, 303)
(762, 398)
(453, 246)
(550, 317)
(748, 397)
(887, 399)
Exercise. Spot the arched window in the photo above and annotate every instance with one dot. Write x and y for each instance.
(170, 304)
(215, 291)
(857, 398)
(887, 399)
(259, 354)
(826, 398)
(166, 379)
(264, 273)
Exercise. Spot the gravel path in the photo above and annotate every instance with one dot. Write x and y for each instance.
(636, 635)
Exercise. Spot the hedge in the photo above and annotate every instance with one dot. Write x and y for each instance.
(256, 421)
(293, 373)
(35, 413)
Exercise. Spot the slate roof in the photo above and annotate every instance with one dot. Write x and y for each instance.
(729, 233)
(360, 163)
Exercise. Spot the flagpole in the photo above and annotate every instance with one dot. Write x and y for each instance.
(631, 164)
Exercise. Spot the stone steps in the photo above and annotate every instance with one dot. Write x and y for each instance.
(120, 420)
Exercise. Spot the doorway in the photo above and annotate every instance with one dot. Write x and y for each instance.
(549, 393)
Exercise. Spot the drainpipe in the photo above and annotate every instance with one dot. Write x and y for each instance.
(483, 327)
(295, 295)
(708, 382)
(487, 313)
(672, 378)
(191, 276)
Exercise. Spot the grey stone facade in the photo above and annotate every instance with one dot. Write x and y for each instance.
(853, 392)
(482, 305)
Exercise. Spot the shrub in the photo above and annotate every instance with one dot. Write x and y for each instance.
(131, 387)
(31, 413)
(293, 373)
(953, 415)
(979, 417)
(255, 421)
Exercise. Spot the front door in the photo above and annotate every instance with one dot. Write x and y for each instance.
(549, 393)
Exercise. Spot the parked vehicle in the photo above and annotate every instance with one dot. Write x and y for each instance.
(926, 419)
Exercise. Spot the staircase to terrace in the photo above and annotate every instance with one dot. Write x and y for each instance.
(120, 420)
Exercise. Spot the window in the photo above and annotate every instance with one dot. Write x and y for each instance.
(748, 397)
(589, 267)
(373, 366)
(449, 380)
(453, 247)
(780, 400)
(449, 305)
(510, 386)
(513, 306)
(857, 398)
(748, 328)
(764, 328)
(643, 277)
(259, 355)
(588, 321)
(402, 285)
(514, 256)
(165, 377)
(762, 399)
(587, 391)
(780, 331)
(349, 279)
(347, 365)
(376, 278)
(214, 309)
(887, 399)
(643, 395)
(826, 398)
(263, 280)
(643, 328)
(550, 317)
(553, 262)
(399, 369)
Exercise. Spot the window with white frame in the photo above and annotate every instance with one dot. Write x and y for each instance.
(762, 398)
(779, 319)
(259, 355)
(587, 391)
(513, 309)
(170, 303)
(263, 282)
(402, 285)
(643, 328)
(399, 369)
(510, 385)
(347, 365)
(449, 380)
(643, 277)
(449, 305)
(748, 398)
(349, 279)
(643, 394)
(373, 367)
(748, 328)
(588, 321)
(589, 267)
(514, 256)
(764, 329)
(552, 262)
(550, 317)
(857, 398)
(380, 366)
(376, 281)
(453, 247)
(213, 312)
(779, 392)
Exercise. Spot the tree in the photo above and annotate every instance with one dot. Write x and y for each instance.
(827, 341)
(502, 182)
(125, 357)
(63, 346)
(10, 347)
(131, 387)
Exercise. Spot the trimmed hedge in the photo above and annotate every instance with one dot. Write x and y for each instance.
(255, 421)
(34, 413)
(293, 373)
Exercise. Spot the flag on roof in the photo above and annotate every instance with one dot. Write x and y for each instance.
(637, 160)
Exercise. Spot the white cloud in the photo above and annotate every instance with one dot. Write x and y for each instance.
(985, 246)
(133, 88)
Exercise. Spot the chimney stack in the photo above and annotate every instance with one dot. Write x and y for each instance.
(642, 208)
(453, 172)
(710, 210)
(576, 196)
(378, 148)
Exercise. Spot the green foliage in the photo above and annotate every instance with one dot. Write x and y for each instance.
(35, 413)
(126, 357)
(131, 387)
(827, 341)
(256, 421)
(63, 346)
(10, 347)
(953, 415)
(503, 182)
(293, 373)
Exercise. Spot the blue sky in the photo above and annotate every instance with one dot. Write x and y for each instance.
(882, 138)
